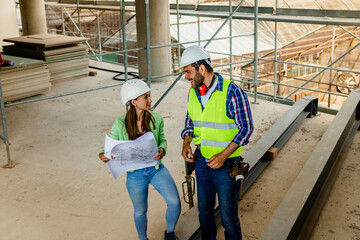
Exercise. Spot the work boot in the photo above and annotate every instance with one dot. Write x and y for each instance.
(170, 236)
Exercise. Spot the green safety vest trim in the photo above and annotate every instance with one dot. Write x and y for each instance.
(213, 130)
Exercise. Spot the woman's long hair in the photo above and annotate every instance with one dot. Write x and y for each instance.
(131, 124)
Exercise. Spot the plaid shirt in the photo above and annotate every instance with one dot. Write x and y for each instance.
(237, 108)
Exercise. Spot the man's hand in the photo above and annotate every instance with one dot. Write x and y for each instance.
(160, 155)
(187, 153)
(103, 158)
(217, 160)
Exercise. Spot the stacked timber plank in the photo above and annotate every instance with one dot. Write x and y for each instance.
(65, 56)
(27, 78)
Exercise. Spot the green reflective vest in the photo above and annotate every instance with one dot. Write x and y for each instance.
(213, 129)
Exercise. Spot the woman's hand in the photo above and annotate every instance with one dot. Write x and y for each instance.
(160, 155)
(103, 158)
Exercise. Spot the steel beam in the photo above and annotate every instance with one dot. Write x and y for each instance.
(188, 226)
(277, 136)
(306, 16)
(108, 5)
(300, 208)
(330, 13)
(272, 18)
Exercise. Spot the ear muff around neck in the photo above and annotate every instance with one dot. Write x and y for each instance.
(203, 89)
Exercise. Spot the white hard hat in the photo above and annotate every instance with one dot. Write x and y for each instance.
(132, 89)
(193, 54)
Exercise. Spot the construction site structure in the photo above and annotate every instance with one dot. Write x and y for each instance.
(305, 54)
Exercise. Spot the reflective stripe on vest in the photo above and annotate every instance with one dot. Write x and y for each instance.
(219, 125)
(212, 128)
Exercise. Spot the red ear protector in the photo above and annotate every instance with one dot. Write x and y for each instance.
(203, 89)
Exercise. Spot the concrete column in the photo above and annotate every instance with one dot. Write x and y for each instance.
(159, 20)
(8, 21)
(33, 16)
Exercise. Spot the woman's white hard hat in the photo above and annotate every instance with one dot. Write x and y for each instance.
(132, 89)
(193, 54)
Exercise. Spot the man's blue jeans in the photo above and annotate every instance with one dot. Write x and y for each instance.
(137, 184)
(209, 182)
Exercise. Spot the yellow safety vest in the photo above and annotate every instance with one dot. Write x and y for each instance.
(213, 129)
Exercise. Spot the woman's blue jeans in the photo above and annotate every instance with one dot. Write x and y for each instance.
(209, 182)
(137, 184)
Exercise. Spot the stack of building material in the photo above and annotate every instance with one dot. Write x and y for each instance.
(56, 50)
(27, 78)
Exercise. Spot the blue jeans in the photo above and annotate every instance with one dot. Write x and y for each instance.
(137, 184)
(209, 182)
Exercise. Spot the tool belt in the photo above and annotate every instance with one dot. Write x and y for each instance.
(237, 167)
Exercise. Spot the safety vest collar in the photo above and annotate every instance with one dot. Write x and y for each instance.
(219, 87)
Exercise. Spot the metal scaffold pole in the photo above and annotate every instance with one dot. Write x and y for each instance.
(5, 137)
(230, 39)
(99, 32)
(178, 32)
(255, 48)
(62, 20)
(123, 20)
(332, 59)
(148, 69)
(275, 59)
(198, 23)
(79, 17)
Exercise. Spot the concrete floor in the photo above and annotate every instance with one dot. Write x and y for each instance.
(59, 188)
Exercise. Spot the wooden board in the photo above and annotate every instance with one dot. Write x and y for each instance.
(21, 62)
(43, 41)
(48, 55)
(28, 78)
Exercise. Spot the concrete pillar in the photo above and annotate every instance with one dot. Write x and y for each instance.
(33, 17)
(159, 20)
(8, 21)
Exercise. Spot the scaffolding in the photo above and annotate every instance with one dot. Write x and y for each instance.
(109, 27)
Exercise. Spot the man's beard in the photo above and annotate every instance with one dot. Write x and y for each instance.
(198, 80)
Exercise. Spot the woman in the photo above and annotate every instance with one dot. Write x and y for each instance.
(137, 121)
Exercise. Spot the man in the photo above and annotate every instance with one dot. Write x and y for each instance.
(219, 122)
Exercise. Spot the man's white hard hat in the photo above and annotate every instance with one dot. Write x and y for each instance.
(132, 89)
(193, 54)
